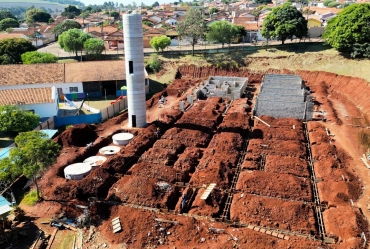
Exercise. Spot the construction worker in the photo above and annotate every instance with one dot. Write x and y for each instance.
(158, 132)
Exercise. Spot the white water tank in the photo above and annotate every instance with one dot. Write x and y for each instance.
(109, 150)
(77, 171)
(122, 138)
(134, 66)
(95, 161)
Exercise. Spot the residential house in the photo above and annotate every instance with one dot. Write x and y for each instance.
(114, 40)
(148, 35)
(315, 26)
(38, 87)
(101, 29)
(171, 21)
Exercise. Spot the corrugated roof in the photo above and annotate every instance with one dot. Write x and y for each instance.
(26, 96)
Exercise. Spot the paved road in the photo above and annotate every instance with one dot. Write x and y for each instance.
(54, 48)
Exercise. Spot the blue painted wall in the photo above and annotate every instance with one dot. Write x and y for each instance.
(80, 119)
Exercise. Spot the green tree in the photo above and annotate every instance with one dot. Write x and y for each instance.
(349, 31)
(84, 15)
(213, 10)
(13, 119)
(64, 26)
(326, 2)
(283, 23)
(34, 153)
(147, 23)
(193, 26)
(262, 1)
(13, 48)
(5, 60)
(6, 14)
(73, 40)
(155, 4)
(114, 14)
(94, 47)
(37, 15)
(8, 23)
(222, 32)
(160, 42)
(333, 4)
(36, 57)
(71, 11)
(240, 31)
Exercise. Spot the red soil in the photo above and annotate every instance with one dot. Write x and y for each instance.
(141, 230)
(275, 185)
(274, 213)
(291, 165)
(218, 160)
(144, 191)
(211, 111)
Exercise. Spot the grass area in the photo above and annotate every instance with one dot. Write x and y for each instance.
(100, 103)
(5, 142)
(66, 60)
(305, 56)
(66, 240)
(30, 198)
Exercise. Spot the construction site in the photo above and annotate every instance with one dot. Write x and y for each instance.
(259, 159)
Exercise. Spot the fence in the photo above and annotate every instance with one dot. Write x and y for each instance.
(80, 119)
(48, 124)
(113, 109)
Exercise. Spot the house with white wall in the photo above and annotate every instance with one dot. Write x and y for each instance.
(39, 87)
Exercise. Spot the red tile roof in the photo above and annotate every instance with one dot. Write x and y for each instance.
(26, 96)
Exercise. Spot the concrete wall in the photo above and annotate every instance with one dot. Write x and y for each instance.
(315, 32)
(43, 109)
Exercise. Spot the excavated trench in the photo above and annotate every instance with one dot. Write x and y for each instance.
(272, 185)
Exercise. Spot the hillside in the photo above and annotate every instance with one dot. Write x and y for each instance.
(56, 7)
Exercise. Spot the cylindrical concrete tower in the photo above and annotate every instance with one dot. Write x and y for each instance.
(134, 64)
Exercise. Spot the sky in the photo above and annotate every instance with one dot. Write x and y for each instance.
(125, 2)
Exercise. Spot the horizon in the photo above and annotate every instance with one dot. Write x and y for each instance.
(138, 2)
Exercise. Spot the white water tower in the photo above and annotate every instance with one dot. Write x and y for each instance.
(134, 64)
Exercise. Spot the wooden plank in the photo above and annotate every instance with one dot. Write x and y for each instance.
(208, 191)
(52, 238)
(286, 237)
(115, 222)
(364, 161)
(117, 218)
(281, 236)
(116, 226)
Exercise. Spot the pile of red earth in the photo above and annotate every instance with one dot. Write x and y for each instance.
(284, 186)
(218, 161)
(283, 138)
(146, 229)
(99, 181)
(236, 118)
(144, 191)
(273, 213)
(211, 207)
(276, 188)
(204, 115)
(337, 187)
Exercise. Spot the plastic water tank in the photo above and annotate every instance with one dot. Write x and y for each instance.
(109, 150)
(122, 138)
(77, 171)
(95, 161)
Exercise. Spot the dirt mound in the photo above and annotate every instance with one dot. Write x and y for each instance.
(273, 213)
(211, 117)
(187, 162)
(343, 224)
(294, 165)
(211, 207)
(275, 185)
(144, 191)
(78, 135)
(150, 170)
(187, 137)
